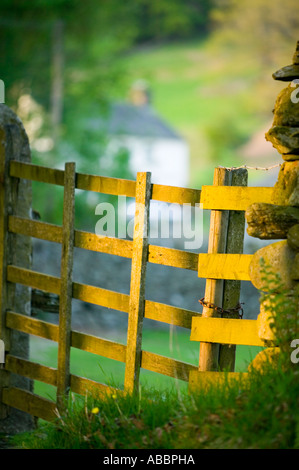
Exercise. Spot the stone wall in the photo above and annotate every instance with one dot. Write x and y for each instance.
(280, 220)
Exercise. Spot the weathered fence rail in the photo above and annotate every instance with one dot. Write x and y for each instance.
(223, 265)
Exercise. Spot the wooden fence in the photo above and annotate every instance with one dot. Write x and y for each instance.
(224, 266)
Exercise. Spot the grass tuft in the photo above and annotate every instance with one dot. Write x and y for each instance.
(261, 414)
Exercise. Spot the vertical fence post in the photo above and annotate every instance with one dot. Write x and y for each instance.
(231, 289)
(65, 300)
(209, 352)
(15, 198)
(137, 288)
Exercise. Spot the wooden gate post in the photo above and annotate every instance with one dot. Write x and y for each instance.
(15, 198)
(209, 352)
(137, 288)
(66, 285)
(226, 236)
(232, 288)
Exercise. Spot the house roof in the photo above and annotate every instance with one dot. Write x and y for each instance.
(141, 121)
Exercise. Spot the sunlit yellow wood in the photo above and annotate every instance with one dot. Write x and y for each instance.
(166, 366)
(66, 285)
(29, 403)
(103, 184)
(175, 195)
(110, 245)
(233, 197)
(34, 279)
(34, 228)
(232, 287)
(32, 326)
(84, 240)
(92, 294)
(99, 346)
(224, 266)
(209, 352)
(137, 285)
(226, 331)
(169, 314)
(202, 380)
(37, 173)
(43, 329)
(106, 185)
(82, 385)
(103, 297)
(172, 257)
(32, 370)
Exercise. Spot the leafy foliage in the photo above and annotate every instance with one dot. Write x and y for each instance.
(262, 29)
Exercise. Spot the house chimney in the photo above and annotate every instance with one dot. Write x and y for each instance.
(140, 93)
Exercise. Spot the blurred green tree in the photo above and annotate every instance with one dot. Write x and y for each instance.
(159, 20)
(267, 30)
(60, 65)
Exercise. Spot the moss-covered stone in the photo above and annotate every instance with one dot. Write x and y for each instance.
(287, 73)
(293, 237)
(295, 268)
(269, 221)
(286, 189)
(279, 259)
(268, 356)
(285, 139)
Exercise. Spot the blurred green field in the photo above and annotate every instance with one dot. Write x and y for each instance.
(175, 344)
(217, 99)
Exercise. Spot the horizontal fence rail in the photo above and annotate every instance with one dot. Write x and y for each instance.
(224, 266)
(93, 344)
(217, 266)
(226, 331)
(103, 184)
(211, 197)
(102, 297)
(235, 198)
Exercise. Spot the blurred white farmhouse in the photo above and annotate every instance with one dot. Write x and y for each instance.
(153, 145)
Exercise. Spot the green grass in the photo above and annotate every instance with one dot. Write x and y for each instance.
(259, 414)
